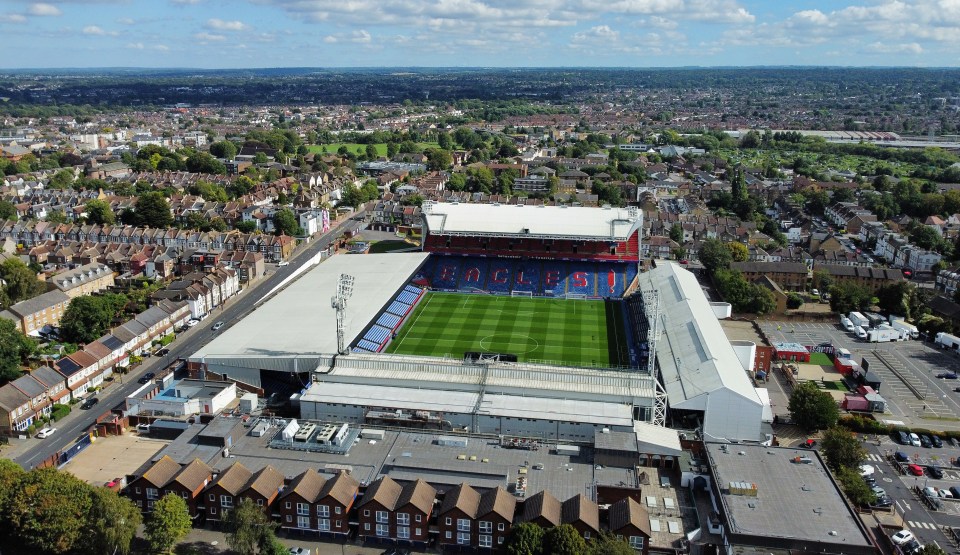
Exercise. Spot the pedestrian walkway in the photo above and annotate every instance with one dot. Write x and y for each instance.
(924, 525)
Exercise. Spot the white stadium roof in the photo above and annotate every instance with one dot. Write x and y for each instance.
(299, 319)
(568, 222)
(699, 367)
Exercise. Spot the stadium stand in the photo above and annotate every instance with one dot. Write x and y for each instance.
(378, 335)
(542, 278)
(638, 328)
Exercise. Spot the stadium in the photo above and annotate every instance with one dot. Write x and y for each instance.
(514, 320)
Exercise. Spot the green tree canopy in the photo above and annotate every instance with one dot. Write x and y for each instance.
(848, 296)
(247, 527)
(714, 255)
(7, 210)
(857, 491)
(223, 149)
(48, 511)
(285, 223)
(812, 409)
(168, 523)
(209, 191)
(88, 317)
(609, 544)
(676, 233)
(15, 350)
(153, 210)
(112, 523)
(202, 162)
(564, 540)
(525, 538)
(100, 213)
(21, 281)
(841, 448)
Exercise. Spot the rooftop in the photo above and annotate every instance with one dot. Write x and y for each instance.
(793, 502)
(299, 319)
(531, 221)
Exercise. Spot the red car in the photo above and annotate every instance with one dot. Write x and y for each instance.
(915, 469)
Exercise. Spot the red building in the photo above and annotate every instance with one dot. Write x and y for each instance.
(391, 512)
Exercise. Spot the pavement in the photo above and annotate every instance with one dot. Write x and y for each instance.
(214, 541)
(31, 451)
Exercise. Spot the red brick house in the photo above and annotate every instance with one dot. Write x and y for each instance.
(333, 504)
(630, 521)
(542, 509)
(389, 512)
(457, 517)
(264, 488)
(189, 484)
(145, 490)
(296, 504)
(583, 514)
(223, 493)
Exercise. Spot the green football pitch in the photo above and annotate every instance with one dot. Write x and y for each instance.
(535, 329)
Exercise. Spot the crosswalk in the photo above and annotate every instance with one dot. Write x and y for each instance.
(874, 457)
(924, 525)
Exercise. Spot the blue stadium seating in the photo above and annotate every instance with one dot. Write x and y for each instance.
(540, 277)
(407, 297)
(398, 308)
(368, 345)
(377, 334)
(413, 289)
(390, 321)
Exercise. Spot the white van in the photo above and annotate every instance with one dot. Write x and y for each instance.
(861, 333)
(846, 323)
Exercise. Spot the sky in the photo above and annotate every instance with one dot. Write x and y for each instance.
(477, 33)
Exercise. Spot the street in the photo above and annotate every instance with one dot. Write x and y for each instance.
(187, 343)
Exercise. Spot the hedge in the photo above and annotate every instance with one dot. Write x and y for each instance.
(59, 411)
(868, 425)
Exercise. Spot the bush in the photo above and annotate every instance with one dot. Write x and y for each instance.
(167, 339)
(59, 411)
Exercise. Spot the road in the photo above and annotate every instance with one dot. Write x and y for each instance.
(187, 343)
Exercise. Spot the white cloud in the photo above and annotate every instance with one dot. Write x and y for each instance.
(600, 32)
(185, 2)
(360, 36)
(12, 18)
(135, 45)
(221, 25)
(126, 21)
(330, 39)
(43, 9)
(161, 47)
(885, 48)
(97, 31)
(209, 37)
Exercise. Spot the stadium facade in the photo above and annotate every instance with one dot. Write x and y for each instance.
(574, 252)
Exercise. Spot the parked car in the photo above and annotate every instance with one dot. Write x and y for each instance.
(299, 551)
(146, 378)
(45, 433)
(870, 481)
(947, 375)
(935, 471)
(878, 491)
(192, 322)
(901, 537)
(283, 263)
(900, 456)
(930, 491)
(903, 438)
(937, 442)
(915, 469)
(955, 491)
(89, 403)
(217, 326)
(866, 470)
(162, 352)
(912, 547)
(953, 441)
(944, 494)
(884, 501)
(925, 441)
(914, 440)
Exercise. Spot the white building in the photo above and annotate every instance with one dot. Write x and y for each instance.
(187, 397)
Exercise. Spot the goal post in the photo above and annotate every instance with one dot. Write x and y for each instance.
(521, 293)
(575, 296)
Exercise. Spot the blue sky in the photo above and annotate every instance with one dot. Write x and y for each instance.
(351, 33)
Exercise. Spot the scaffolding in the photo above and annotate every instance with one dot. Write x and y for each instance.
(651, 306)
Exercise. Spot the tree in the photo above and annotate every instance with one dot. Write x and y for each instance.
(261, 158)
(168, 523)
(371, 152)
(99, 213)
(223, 149)
(48, 511)
(246, 227)
(112, 523)
(202, 162)
(931, 549)
(564, 540)
(676, 233)
(714, 254)
(21, 281)
(822, 280)
(794, 300)
(438, 159)
(893, 297)
(525, 538)
(856, 490)
(209, 191)
(15, 350)
(89, 317)
(842, 449)
(738, 251)
(847, 296)
(609, 544)
(925, 237)
(285, 223)
(153, 210)
(246, 525)
(57, 217)
(812, 409)
(7, 210)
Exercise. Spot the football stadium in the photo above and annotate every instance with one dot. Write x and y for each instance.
(529, 321)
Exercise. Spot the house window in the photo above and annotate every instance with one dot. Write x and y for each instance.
(289, 518)
(381, 517)
(137, 490)
(226, 501)
(586, 535)
(501, 527)
(260, 502)
(323, 511)
(287, 504)
(403, 532)
(339, 524)
(303, 509)
(383, 530)
(213, 510)
(150, 505)
(500, 540)
(486, 527)
(324, 524)
(418, 518)
(366, 512)
(403, 519)
(418, 533)
(303, 522)
(463, 538)
(213, 497)
(338, 510)
(152, 493)
(449, 521)
(486, 540)
(463, 525)
(449, 534)
(636, 542)
(366, 526)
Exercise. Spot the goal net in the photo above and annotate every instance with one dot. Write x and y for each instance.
(521, 293)
(580, 296)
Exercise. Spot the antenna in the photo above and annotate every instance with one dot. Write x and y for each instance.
(339, 303)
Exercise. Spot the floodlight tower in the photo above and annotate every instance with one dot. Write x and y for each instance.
(339, 303)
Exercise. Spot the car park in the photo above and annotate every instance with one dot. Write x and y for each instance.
(900, 456)
(914, 440)
(935, 471)
(903, 438)
(930, 491)
(45, 433)
(89, 403)
(925, 441)
(955, 491)
(217, 326)
(915, 469)
(944, 494)
(947, 375)
(936, 441)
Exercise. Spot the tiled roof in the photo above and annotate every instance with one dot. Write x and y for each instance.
(307, 485)
(267, 481)
(419, 494)
(384, 491)
(544, 505)
(629, 512)
(462, 497)
(162, 471)
(194, 475)
(233, 479)
(497, 501)
(581, 509)
(343, 487)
